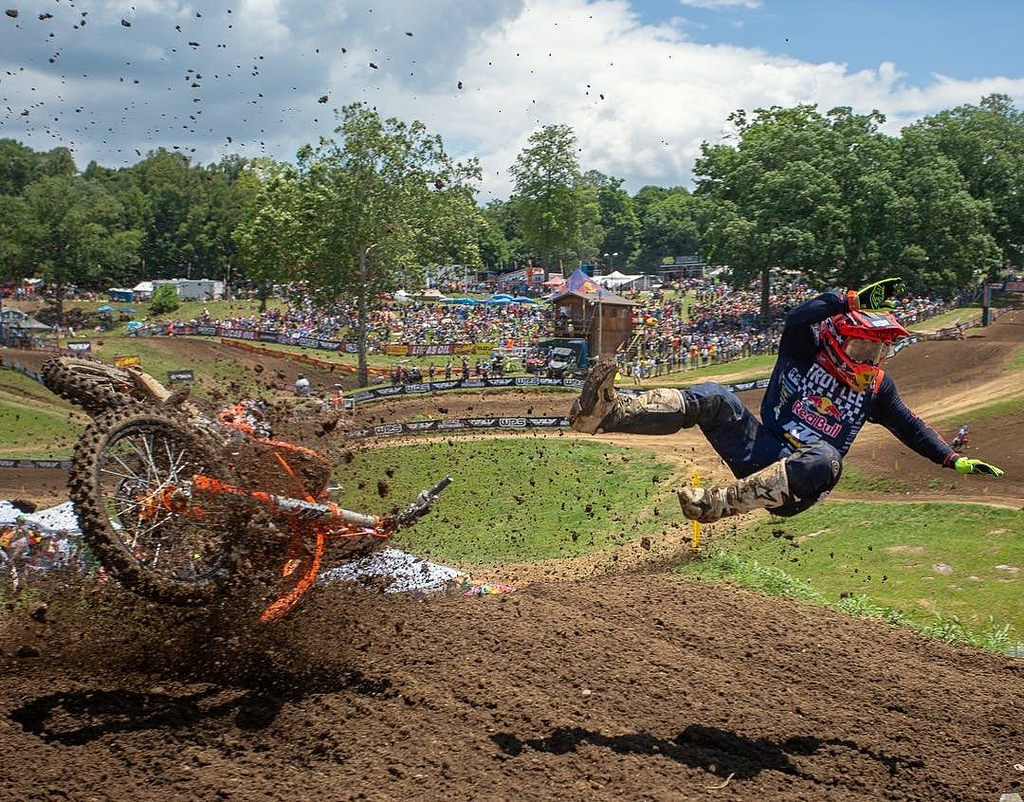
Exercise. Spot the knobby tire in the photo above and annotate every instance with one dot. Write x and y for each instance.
(176, 557)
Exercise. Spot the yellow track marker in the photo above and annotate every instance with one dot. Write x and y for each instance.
(696, 524)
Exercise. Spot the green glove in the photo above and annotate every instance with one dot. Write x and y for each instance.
(965, 466)
(881, 295)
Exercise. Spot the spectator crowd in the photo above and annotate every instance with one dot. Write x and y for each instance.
(693, 324)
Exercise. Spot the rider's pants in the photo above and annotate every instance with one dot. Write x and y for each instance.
(747, 446)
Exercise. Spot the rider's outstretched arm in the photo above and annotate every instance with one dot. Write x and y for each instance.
(891, 412)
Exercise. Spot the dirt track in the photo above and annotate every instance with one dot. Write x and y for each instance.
(609, 680)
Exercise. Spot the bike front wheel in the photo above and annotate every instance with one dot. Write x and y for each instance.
(130, 483)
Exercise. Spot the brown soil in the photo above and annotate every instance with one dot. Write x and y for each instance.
(598, 679)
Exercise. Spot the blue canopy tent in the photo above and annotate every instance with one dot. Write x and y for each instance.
(128, 310)
(105, 308)
(522, 299)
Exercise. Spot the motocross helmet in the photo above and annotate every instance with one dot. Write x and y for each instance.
(853, 346)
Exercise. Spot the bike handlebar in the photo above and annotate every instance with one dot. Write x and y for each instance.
(435, 491)
(420, 507)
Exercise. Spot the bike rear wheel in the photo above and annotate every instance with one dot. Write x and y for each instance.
(128, 483)
(95, 387)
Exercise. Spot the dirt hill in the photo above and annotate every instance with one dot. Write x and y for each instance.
(598, 684)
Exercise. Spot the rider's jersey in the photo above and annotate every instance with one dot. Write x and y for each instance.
(806, 404)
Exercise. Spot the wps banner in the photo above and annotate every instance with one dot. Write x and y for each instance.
(35, 463)
(392, 390)
(458, 424)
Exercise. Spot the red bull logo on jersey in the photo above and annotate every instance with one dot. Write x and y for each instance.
(824, 405)
(820, 413)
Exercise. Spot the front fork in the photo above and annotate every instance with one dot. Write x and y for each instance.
(321, 518)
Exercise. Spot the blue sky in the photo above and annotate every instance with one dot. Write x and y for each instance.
(959, 39)
(642, 82)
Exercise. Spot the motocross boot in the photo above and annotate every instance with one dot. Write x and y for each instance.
(600, 408)
(768, 488)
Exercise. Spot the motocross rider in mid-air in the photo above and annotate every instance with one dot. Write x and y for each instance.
(827, 383)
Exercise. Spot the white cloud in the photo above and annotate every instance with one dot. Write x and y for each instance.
(641, 98)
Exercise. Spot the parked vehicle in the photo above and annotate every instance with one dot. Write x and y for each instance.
(559, 357)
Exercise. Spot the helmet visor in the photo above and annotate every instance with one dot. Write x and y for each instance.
(865, 352)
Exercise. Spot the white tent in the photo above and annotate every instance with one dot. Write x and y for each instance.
(624, 281)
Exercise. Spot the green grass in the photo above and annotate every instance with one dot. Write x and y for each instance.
(34, 424)
(1009, 406)
(157, 360)
(750, 368)
(929, 566)
(514, 500)
(962, 314)
(855, 480)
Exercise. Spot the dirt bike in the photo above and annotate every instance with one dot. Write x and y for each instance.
(162, 498)
(961, 439)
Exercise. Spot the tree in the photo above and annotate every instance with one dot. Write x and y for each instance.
(559, 213)
(230, 190)
(503, 218)
(170, 187)
(57, 162)
(164, 300)
(17, 167)
(986, 142)
(943, 233)
(495, 250)
(271, 235)
(375, 204)
(618, 219)
(830, 197)
(670, 226)
(777, 199)
(15, 222)
(75, 234)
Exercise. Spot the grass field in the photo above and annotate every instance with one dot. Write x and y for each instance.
(948, 569)
(516, 499)
(34, 424)
(157, 360)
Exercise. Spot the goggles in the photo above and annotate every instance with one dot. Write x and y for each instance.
(866, 352)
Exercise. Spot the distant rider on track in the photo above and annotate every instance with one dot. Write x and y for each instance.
(827, 383)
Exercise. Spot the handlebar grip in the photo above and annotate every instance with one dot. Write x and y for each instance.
(436, 489)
